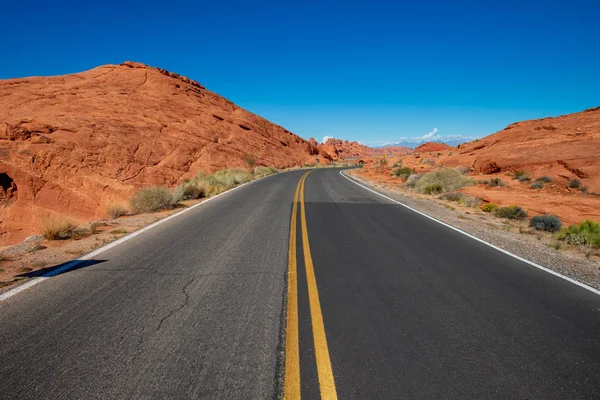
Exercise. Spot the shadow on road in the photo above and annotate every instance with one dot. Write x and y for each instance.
(56, 269)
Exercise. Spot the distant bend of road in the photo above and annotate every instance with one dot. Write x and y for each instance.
(195, 308)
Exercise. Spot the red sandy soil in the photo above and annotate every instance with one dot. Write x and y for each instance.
(563, 148)
(71, 144)
(340, 149)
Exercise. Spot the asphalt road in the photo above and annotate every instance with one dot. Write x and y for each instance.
(382, 303)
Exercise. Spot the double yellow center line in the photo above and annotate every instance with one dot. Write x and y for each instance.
(292, 346)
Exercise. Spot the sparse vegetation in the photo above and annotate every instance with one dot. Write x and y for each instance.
(463, 199)
(545, 127)
(150, 199)
(537, 185)
(463, 170)
(510, 212)
(583, 189)
(116, 210)
(263, 171)
(427, 161)
(545, 179)
(574, 183)
(548, 223)
(521, 176)
(435, 188)
(56, 227)
(412, 180)
(190, 190)
(250, 160)
(489, 207)
(403, 172)
(586, 234)
(496, 182)
(447, 179)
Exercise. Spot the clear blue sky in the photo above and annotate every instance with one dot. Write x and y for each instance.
(374, 71)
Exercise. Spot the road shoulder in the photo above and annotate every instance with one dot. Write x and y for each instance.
(527, 246)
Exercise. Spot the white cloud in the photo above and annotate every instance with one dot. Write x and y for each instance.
(430, 135)
(326, 138)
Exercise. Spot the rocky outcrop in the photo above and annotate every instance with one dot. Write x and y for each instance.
(71, 144)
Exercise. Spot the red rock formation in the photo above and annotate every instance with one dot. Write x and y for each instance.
(432, 146)
(71, 144)
(340, 149)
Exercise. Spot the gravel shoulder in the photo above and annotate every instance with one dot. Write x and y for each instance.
(515, 237)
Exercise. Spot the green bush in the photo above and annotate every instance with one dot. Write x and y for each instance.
(151, 199)
(403, 172)
(496, 182)
(549, 223)
(489, 207)
(433, 189)
(510, 212)
(586, 233)
(521, 175)
(448, 179)
(574, 183)
(545, 179)
(537, 185)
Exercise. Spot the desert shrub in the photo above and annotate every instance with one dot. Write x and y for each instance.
(463, 170)
(452, 196)
(56, 227)
(470, 201)
(428, 161)
(510, 212)
(383, 162)
(397, 164)
(586, 233)
(151, 199)
(412, 180)
(545, 179)
(433, 189)
(250, 160)
(584, 189)
(574, 183)
(264, 171)
(403, 172)
(116, 210)
(549, 223)
(496, 182)
(489, 207)
(448, 179)
(537, 185)
(521, 175)
(190, 190)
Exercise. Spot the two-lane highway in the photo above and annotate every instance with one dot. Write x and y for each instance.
(304, 285)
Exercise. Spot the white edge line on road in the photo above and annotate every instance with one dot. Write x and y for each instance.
(73, 263)
(583, 285)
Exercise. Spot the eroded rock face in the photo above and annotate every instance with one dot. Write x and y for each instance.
(339, 149)
(73, 143)
(8, 190)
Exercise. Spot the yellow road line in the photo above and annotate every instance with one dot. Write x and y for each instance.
(292, 344)
(324, 371)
